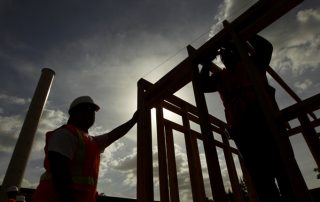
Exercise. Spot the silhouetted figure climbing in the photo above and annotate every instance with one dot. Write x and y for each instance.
(246, 121)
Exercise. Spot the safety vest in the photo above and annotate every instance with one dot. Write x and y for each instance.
(10, 200)
(84, 170)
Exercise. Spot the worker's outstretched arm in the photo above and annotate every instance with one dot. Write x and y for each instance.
(61, 176)
(108, 138)
(262, 50)
(207, 81)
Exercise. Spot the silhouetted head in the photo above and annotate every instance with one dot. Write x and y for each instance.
(229, 55)
(82, 112)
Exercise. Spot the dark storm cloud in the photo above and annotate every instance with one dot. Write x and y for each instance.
(49, 23)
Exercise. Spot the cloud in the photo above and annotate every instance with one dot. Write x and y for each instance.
(229, 10)
(13, 99)
(302, 86)
(296, 49)
(305, 16)
(9, 130)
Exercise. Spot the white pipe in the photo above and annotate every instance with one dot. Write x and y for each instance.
(21, 153)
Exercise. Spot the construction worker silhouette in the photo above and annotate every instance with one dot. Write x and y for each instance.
(245, 119)
(72, 155)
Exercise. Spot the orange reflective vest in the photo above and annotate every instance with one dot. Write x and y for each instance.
(10, 200)
(84, 169)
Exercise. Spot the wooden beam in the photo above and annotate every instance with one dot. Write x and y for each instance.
(285, 86)
(298, 129)
(214, 169)
(310, 136)
(162, 157)
(197, 135)
(173, 179)
(255, 19)
(232, 170)
(145, 191)
(304, 107)
(195, 172)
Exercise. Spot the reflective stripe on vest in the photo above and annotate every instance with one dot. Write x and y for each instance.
(79, 155)
(75, 179)
(78, 162)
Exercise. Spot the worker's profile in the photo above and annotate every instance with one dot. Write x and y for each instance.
(72, 156)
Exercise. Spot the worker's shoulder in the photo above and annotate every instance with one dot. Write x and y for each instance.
(63, 135)
(62, 131)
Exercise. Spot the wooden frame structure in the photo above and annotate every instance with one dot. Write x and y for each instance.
(160, 95)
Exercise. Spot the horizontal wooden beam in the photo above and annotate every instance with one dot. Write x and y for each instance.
(182, 129)
(304, 107)
(298, 129)
(255, 19)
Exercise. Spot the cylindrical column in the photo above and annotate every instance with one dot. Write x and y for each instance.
(19, 159)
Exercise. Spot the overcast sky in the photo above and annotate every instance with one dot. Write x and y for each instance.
(102, 48)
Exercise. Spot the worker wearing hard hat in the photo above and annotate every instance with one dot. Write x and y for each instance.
(72, 155)
(246, 120)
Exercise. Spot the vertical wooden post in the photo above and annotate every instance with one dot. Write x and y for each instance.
(144, 151)
(216, 182)
(173, 179)
(231, 169)
(310, 135)
(195, 172)
(252, 194)
(162, 156)
(288, 162)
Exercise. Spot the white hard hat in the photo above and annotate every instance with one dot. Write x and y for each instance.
(20, 198)
(82, 100)
(12, 189)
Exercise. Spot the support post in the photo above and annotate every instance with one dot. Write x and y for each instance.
(195, 172)
(162, 156)
(21, 153)
(173, 178)
(214, 170)
(310, 135)
(232, 170)
(144, 151)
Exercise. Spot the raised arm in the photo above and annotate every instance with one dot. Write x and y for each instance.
(208, 82)
(262, 50)
(108, 138)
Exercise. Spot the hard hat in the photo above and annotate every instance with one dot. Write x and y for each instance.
(12, 189)
(83, 100)
(20, 198)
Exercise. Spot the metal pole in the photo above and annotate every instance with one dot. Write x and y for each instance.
(21, 153)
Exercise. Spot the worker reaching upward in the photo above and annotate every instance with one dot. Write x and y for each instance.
(247, 125)
(72, 156)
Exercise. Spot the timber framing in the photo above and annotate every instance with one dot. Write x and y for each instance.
(160, 96)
